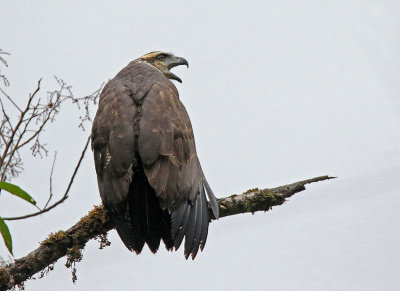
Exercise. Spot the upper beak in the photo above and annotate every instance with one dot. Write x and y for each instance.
(183, 61)
(177, 61)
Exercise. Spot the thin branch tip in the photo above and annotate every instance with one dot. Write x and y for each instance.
(317, 179)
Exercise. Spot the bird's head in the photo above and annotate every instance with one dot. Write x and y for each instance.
(164, 62)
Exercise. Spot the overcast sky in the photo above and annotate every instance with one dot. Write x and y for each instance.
(277, 91)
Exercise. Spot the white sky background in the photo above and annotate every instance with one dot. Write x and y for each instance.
(276, 92)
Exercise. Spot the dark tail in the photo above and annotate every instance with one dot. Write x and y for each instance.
(143, 221)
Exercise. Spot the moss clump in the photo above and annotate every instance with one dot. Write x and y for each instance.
(94, 219)
(103, 240)
(251, 190)
(263, 201)
(53, 237)
(4, 277)
(74, 255)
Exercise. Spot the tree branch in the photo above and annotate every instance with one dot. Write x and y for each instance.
(97, 223)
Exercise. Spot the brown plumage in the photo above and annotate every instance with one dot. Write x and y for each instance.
(149, 176)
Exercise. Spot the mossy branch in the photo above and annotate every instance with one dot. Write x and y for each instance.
(97, 223)
(255, 200)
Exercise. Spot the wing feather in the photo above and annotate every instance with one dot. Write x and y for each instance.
(199, 227)
(204, 229)
(191, 229)
(113, 140)
(166, 144)
(179, 223)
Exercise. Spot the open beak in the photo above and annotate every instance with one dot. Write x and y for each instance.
(176, 61)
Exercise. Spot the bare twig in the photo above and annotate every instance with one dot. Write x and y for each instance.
(32, 122)
(16, 145)
(64, 197)
(97, 223)
(51, 181)
(6, 119)
(14, 132)
(10, 99)
(3, 60)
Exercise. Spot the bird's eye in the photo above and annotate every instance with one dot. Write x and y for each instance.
(161, 57)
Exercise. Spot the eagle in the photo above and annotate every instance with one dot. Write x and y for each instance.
(149, 175)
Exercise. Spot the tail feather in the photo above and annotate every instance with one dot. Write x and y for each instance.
(166, 230)
(199, 227)
(191, 228)
(142, 220)
(213, 200)
(179, 223)
(123, 224)
(204, 229)
(191, 221)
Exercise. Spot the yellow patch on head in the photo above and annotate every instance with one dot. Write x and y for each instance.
(152, 59)
(151, 55)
